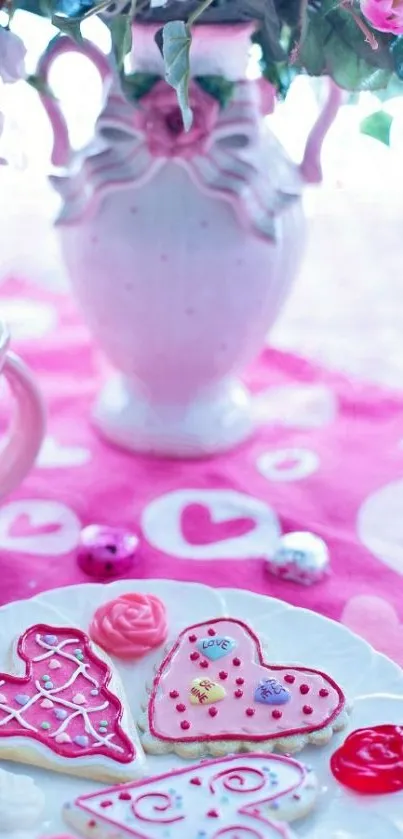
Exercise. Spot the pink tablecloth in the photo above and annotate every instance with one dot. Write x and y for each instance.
(328, 458)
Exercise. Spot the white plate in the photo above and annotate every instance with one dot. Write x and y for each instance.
(295, 636)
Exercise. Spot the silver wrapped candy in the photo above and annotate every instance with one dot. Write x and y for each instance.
(301, 557)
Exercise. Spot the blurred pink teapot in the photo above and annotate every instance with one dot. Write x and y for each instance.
(26, 429)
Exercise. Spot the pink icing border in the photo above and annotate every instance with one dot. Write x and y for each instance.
(44, 629)
(238, 736)
(188, 770)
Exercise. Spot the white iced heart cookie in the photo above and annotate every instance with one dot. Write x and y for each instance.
(238, 796)
(21, 802)
(73, 718)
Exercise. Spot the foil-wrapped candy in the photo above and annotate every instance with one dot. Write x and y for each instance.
(301, 557)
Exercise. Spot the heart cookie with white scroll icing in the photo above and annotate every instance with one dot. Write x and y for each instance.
(238, 797)
(67, 711)
(215, 694)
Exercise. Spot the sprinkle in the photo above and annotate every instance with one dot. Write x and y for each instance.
(289, 679)
(276, 714)
(212, 814)
(48, 685)
(79, 699)
(196, 781)
(323, 692)
(92, 823)
(204, 663)
(185, 725)
(63, 738)
(94, 692)
(192, 638)
(296, 796)
(211, 631)
(54, 664)
(46, 678)
(236, 662)
(46, 703)
(45, 725)
(307, 709)
(81, 740)
(50, 639)
(250, 712)
(274, 805)
(104, 723)
(22, 698)
(213, 711)
(240, 681)
(194, 656)
(223, 675)
(60, 713)
(106, 803)
(78, 652)
(181, 707)
(174, 694)
(238, 693)
(125, 796)
(304, 689)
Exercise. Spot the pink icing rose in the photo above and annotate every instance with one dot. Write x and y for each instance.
(12, 56)
(160, 118)
(130, 626)
(384, 15)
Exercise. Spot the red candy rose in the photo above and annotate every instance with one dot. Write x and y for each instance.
(371, 760)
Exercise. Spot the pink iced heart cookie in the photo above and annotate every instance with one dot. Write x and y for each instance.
(249, 796)
(215, 694)
(71, 718)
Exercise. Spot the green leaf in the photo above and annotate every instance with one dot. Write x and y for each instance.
(218, 87)
(335, 45)
(377, 125)
(70, 28)
(121, 35)
(137, 85)
(40, 84)
(176, 49)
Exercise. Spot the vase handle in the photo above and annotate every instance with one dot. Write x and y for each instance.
(310, 168)
(59, 46)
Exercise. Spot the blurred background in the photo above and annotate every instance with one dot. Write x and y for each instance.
(347, 306)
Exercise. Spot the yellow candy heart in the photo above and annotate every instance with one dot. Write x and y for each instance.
(204, 692)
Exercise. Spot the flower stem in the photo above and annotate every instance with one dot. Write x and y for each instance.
(198, 12)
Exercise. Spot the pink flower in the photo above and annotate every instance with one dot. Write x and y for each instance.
(12, 56)
(160, 118)
(384, 15)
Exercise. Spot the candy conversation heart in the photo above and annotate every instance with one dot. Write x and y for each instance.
(248, 796)
(56, 721)
(270, 705)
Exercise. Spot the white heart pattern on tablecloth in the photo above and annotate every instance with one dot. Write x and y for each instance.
(262, 702)
(38, 527)
(211, 524)
(232, 798)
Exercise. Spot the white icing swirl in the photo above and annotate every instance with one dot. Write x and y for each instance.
(21, 802)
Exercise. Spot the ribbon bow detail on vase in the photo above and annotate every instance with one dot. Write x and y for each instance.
(222, 153)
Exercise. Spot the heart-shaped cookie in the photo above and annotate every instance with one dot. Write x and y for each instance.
(54, 714)
(249, 796)
(267, 704)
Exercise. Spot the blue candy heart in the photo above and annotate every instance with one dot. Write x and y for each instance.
(271, 692)
(216, 647)
(60, 713)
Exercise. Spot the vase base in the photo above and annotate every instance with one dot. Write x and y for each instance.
(209, 425)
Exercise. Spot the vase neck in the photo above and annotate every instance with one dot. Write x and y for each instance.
(220, 50)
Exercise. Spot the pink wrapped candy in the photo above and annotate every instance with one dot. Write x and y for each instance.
(301, 557)
(105, 552)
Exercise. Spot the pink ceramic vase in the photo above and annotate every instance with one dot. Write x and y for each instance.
(181, 247)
